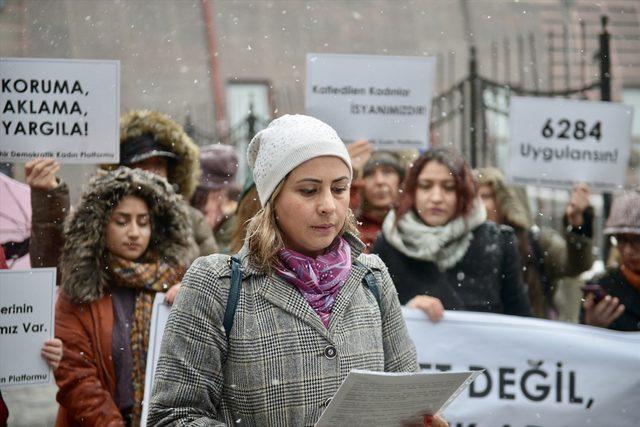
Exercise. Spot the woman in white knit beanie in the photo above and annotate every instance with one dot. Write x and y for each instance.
(267, 337)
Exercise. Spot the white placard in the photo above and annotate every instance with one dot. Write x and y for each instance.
(385, 99)
(27, 299)
(159, 316)
(59, 108)
(559, 142)
(537, 372)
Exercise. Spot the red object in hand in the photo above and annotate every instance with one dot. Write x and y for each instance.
(3, 260)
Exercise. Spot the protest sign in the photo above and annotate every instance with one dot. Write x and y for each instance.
(537, 372)
(384, 99)
(27, 300)
(559, 142)
(59, 108)
(159, 316)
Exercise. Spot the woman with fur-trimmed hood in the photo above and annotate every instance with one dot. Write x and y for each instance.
(149, 140)
(126, 241)
(154, 142)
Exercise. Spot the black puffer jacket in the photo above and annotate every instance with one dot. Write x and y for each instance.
(487, 278)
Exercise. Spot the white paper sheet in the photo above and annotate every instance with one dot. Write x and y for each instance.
(27, 320)
(393, 399)
(159, 317)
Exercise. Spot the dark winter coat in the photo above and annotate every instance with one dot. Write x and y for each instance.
(49, 209)
(616, 285)
(487, 278)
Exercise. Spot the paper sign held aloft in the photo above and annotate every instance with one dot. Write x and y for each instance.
(384, 99)
(560, 142)
(59, 108)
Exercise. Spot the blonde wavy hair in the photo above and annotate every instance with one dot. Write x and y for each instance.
(264, 237)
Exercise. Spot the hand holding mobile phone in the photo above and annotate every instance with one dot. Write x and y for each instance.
(596, 290)
(600, 309)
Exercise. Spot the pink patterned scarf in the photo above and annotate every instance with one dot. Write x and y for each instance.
(318, 279)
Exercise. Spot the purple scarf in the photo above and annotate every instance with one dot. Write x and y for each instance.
(318, 279)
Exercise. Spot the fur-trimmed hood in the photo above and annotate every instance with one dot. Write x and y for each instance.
(184, 172)
(511, 204)
(84, 275)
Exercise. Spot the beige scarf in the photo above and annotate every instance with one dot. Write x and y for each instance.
(444, 245)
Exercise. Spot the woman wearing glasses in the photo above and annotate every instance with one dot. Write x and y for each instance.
(614, 302)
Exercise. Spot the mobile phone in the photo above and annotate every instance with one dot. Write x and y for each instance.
(596, 290)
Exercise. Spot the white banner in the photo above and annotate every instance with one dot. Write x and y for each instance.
(559, 142)
(539, 373)
(385, 99)
(60, 108)
(27, 299)
(159, 316)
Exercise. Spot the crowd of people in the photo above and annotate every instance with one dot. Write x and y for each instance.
(299, 274)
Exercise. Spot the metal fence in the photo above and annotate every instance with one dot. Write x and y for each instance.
(465, 115)
(472, 115)
(238, 134)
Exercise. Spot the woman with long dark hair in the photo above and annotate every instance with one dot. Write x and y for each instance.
(127, 240)
(440, 250)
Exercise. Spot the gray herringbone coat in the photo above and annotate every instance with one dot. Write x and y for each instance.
(277, 367)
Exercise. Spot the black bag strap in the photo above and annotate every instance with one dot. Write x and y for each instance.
(234, 294)
(370, 281)
(236, 283)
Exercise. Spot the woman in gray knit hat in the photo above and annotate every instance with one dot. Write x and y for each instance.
(613, 301)
(216, 194)
(306, 308)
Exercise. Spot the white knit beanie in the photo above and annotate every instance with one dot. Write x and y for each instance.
(285, 144)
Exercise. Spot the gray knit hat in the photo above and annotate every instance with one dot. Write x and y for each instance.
(625, 215)
(384, 158)
(285, 144)
(219, 165)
